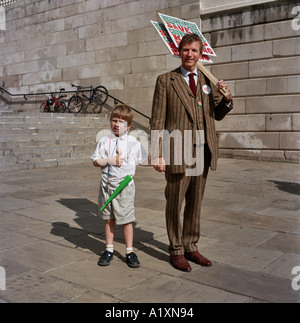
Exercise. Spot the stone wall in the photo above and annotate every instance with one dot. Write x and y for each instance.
(258, 50)
(48, 44)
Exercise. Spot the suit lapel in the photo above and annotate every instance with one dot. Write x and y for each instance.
(183, 91)
(204, 97)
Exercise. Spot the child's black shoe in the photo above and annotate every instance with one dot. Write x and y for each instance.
(105, 258)
(132, 260)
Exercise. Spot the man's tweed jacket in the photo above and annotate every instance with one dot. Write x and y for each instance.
(174, 108)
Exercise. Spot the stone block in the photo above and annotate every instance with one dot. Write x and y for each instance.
(46, 52)
(81, 20)
(273, 104)
(151, 49)
(293, 84)
(251, 87)
(140, 7)
(242, 123)
(279, 122)
(280, 29)
(54, 75)
(122, 67)
(221, 21)
(236, 36)
(127, 52)
(15, 58)
(88, 31)
(285, 47)
(141, 79)
(292, 156)
(250, 140)
(277, 85)
(223, 55)
(106, 41)
(105, 55)
(231, 71)
(89, 5)
(239, 106)
(152, 64)
(75, 60)
(252, 51)
(115, 82)
(10, 47)
(191, 11)
(22, 68)
(273, 155)
(140, 35)
(289, 140)
(296, 122)
(274, 67)
(70, 74)
(62, 37)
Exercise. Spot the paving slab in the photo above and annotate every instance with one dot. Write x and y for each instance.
(51, 238)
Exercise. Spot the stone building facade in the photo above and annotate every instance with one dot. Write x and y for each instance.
(47, 44)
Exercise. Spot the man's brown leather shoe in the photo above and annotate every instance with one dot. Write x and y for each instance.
(180, 263)
(197, 258)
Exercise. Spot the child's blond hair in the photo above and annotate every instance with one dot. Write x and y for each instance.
(122, 111)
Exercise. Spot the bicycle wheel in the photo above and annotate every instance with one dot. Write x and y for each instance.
(44, 107)
(75, 104)
(100, 95)
(62, 107)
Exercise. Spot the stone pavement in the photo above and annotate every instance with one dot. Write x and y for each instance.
(51, 238)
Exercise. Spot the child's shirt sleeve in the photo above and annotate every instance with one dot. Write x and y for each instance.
(100, 151)
(139, 153)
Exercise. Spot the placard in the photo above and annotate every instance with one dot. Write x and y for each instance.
(177, 28)
(165, 36)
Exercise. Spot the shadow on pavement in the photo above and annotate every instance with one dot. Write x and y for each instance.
(90, 234)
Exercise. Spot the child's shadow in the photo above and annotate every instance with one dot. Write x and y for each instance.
(90, 232)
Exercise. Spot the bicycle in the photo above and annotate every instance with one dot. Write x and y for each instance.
(57, 104)
(98, 96)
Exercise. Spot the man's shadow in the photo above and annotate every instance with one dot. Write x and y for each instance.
(90, 232)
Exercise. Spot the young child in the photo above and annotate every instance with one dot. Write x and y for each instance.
(117, 154)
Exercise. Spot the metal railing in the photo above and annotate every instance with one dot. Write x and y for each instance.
(4, 3)
(25, 95)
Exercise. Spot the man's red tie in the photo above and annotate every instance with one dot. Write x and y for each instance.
(192, 83)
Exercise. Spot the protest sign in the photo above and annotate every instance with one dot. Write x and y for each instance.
(177, 28)
(172, 32)
(164, 34)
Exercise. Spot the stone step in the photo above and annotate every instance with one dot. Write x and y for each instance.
(39, 136)
(46, 124)
(12, 144)
(45, 152)
(43, 164)
(27, 117)
(45, 130)
(34, 140)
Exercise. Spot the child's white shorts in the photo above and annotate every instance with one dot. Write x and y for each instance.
(121, 208)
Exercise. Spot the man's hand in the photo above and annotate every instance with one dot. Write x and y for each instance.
(221, 85)
(159, 164)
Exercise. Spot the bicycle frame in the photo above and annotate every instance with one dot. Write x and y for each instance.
(54, 103)
(81, 90)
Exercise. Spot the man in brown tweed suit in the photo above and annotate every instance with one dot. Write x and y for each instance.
(186, 104)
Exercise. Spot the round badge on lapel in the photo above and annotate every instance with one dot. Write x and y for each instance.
(206, 89)
(199, 104)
